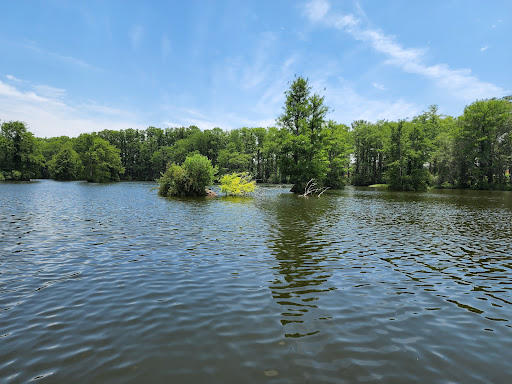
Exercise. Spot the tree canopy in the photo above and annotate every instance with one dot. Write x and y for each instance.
(65, 165)
(20, 158)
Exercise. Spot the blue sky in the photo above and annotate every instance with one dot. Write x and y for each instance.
(69, 67)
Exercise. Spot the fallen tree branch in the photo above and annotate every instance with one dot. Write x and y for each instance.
(311, 189)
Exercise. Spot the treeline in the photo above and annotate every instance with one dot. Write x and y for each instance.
(471, 151)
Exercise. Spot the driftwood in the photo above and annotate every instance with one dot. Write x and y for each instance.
(311, 189)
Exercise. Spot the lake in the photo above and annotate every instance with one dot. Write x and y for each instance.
(114, 284)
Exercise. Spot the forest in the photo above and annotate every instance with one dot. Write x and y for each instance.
(473, 150)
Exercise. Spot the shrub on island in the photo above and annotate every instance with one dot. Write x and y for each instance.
(237, 184)
(189, 179)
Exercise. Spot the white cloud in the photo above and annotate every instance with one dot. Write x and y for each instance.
(484, 48)
(49, 116)
(461, 83)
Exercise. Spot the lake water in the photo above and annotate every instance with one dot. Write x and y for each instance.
(114, 284)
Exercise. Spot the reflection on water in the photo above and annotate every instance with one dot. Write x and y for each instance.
(294, 224)
(111, 283)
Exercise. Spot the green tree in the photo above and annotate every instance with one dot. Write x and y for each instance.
(49, 147)
(408, 157)
(303, 155)
(338, 144)
(101, 160)
(230, 160)
(485, 136)
(174, 182)
(215, 140)
(65, 165)
(271, 153)
(260, 136)
(442, 163)
(201, 172)
(370, 142)
(190, 179)
(20, 158)
(161, 158)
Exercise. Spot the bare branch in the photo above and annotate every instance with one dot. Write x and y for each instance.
(311, 189)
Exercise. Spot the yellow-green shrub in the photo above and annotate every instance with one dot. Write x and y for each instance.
(237, 184)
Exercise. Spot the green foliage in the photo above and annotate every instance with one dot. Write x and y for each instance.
(370, 144)
(230, 160)
(303, 156)
(20, 157)
(338, 144)
(201, 172)
(65, 165)
(237, 184)
(408, 156)
(485, 139)
(160, 158)
(190, 179)
(174, 182)
(16, 176)
(100, 159)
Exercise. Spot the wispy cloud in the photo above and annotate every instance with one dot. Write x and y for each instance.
(105, 110)
(46, 113)
(317, 10)
(186, 116)
(225, 122)
(349, 105)
(12, 78)
(378, 86)
(495, 25)
(165, 47)
(261, 113)
(136, 36)
(461, 83)
(49, 92)
(483, 49)
(64, 58)
(253, 69)
(273, 97)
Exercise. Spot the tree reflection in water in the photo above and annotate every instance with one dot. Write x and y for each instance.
(302, 272)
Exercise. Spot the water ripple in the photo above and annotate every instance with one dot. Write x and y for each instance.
(111, 283)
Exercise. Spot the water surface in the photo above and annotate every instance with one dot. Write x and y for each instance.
(111, 283)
